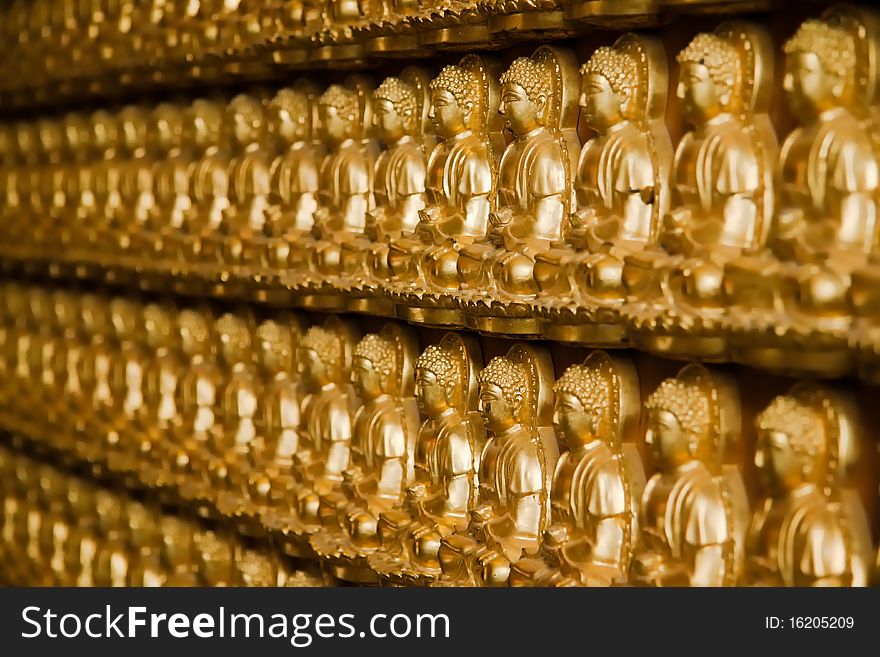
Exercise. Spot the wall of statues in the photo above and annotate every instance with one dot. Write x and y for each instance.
(533, 314)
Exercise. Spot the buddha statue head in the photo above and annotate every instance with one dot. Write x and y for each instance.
(125, 315)
(65, 309)
(77, 135)
(454, 94)
(95, 316)
(51, 135)
(194, 326)
(503, 391)
(27, 140)
(206, 119)
(525, 95)
(320, 358)
(679, 423)
(291, 113)
(395, 110)
(215, 558)
(276, 345)
(709, 77)
(820, 65)
(582, 406)
(159, 324)
(437, 378)
(248, 120)
(374, 367)
(168, 122)
(792, 446)
(234, 333)
(608, 88)
(177, 541)
(104, 131)
(339, 109)
(134, 122)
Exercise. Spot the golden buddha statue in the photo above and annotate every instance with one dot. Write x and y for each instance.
(446, 461)
(534, 193)
(694, 511)
(598, 482)
(399, 111)
(223, 251)
(178, 554)
(128, 363)
(346, 189)
(722, 194)
(82, 540)
(515, 469)
(294, 177)
(163, 373)
(460, 179)
(384, 432)
(112, 558)
(811, 529)
(335, 40)
(827, 193)
(215, 558)
(144, 544)
(621, 188)
(48, 184)
(171, 200)
(209, 194)
(324, 433)
(198, 390)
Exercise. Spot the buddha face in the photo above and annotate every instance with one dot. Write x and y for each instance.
(431, 395)
(783, 467)
(366, 378)
(448, 117)
(169, 128)
(334, 126)
(521, 114)
(697, 92)
(573, 424)
(312, 371)
(810, 87)
(499, 414)
(273, 355)
(244, 131)
(668, 441)
(290, 128)
(601, 106)
(388, 122)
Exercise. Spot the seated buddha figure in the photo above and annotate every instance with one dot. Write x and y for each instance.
(511, 511)
(324, 431)
(293, 195)
(163, 373)
(209, 194)
(345, 192)
(382, 448)
(447, 453)
(237, 400)
(198, 395)
(811, 529)
(694, 511)
(224, 252)
(534, 192)
(398, 188)
(722, 193)
(621, 188)
(169, 172)
(460, 181)
(598, 482)
(828, 181)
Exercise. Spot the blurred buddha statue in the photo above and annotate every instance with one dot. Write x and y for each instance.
(325, 428)
(198, 392)
(112, 558)
(828, 181)
(346, 188)
(383, 441)
(516, 465)
(145, 545)
(694, 510)
(209, 193)
(399, 109)
(294, 173)
(621, 189)
(598, 482)
(460, 179)
(446, 462)
(215, 558)
(178, 555)
(534, 193)
(811, 529)
(722, 193)
(224, 251)
(96, 404)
